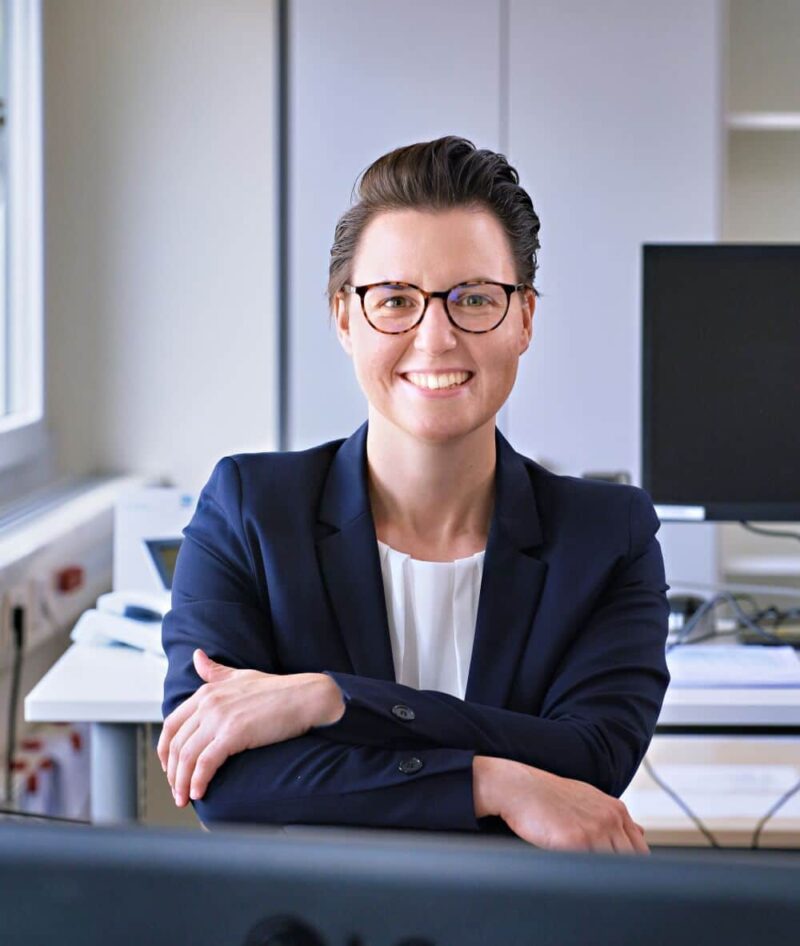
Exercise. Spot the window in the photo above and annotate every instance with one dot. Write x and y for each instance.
(22, 421)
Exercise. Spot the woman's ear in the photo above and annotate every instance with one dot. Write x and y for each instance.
(342, 317)
(528, 306)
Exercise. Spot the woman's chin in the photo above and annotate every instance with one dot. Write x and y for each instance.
(437, 430)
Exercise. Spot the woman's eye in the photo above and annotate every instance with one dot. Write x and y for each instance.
(401, 299)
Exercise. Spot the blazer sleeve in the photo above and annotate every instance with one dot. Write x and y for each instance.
(600, 711)
(391, 780)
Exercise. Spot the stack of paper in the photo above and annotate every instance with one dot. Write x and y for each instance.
(733, 665)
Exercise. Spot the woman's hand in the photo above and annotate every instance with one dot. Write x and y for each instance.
(232, 711)
(554, 812)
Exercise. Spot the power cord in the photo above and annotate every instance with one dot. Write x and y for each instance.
(710, 604)
(684, 806)
(18, 640)
(780, 533)
(32, 814)
(648, 767)
(778, 805)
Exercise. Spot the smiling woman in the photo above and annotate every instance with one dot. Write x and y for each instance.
(417, 626)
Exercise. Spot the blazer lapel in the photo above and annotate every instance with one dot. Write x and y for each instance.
(350, 561)
(511, 585)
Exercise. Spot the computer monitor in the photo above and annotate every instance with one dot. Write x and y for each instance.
(361, 887)
(720, 381)
(164, 555)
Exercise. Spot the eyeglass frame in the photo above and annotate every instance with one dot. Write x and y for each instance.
(510, 289)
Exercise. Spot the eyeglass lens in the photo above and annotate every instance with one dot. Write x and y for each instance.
(476, 307)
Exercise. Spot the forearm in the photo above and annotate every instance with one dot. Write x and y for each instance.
(308, 780)
(586, 749)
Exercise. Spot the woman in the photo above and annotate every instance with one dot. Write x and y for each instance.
(417, 626)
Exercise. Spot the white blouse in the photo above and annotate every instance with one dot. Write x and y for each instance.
(432, 608)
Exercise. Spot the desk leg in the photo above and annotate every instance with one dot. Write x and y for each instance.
(113, 772)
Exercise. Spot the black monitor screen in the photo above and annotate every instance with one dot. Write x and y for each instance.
(164, 553)
(721, 379)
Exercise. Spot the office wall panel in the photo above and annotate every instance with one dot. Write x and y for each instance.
(160, 229)
(365, 77)
(615, 123)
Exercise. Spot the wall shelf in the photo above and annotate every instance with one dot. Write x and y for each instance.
(763, 121)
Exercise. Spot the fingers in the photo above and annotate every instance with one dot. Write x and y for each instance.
(622, 843)
(172, 724)
(208, 762)
(176, 746)
(636, 835)
(187, 758)
(628, 836)
(209, 669)
(603, 844)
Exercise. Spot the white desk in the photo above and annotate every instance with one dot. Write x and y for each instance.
(117, 688)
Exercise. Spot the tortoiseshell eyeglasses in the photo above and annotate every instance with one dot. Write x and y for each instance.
(396, 307)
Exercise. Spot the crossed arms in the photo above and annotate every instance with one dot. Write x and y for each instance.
(594, 725)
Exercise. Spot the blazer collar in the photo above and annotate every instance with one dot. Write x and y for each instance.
(510, 586)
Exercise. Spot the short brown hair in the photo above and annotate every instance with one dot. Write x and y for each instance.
(437, 175)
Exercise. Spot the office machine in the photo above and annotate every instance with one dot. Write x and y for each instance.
(323, 886)
(720, 393)
(148, 526)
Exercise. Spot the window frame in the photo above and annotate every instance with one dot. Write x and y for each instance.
(23, 427)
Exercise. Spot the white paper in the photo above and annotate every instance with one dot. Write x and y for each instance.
(733, 665)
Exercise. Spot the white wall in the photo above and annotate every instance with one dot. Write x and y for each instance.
(160, 233)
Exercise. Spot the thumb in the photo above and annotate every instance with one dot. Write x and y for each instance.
(207, 668)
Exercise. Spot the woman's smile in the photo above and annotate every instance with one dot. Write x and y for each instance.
(443, 383)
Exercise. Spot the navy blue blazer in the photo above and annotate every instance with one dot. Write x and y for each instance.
(279, 570)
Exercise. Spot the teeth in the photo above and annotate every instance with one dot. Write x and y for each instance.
(435, 381)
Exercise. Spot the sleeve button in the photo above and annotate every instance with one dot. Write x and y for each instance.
(410, 765)
(403, 712)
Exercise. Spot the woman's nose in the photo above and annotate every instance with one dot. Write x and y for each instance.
(435, 333)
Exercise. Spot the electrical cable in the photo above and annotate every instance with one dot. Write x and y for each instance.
(708, 605)
(778, 805)
(18, 639)
(648, 767)
(779, 533)
(32, 814)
